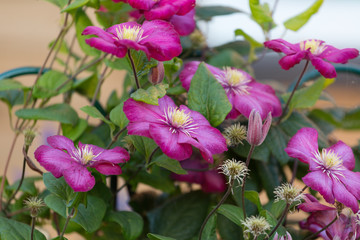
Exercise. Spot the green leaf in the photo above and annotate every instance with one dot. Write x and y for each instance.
(351, 119)
(27, 186)
(118, 116)
(272, 221)
(276, 141)
(10, 84)
(119, 64)
(74, 5)
(227, 229)
(181, 217)
(253, 43)
(152, 236)
(62, 113)
(81, 22)
(261, 153)
(59, 3)
(87, 86)
(93, 112)
(142, 64)
(253, 197)
(168, 163)
(150, 95)
(14, 230)
(261, 14)
(131, 223)
(171, 67)
(227, 58)
(58, 187)
(295, 23)
(208, 12)
(207, 96)
(176, 90)
(232, 212)
(270, 176)
(277, 208)
(12, 97)
(159, 179)
(144, 145)
(74, 132)
(48, 83)
(209, 232)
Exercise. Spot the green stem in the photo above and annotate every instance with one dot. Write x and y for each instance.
(33, 219)
(66, 223)
(280, 221)
(116, 137)
(134, 70)
(152, 155)
(292, 93)
(313, 236)
(223, 199)
(243, 185)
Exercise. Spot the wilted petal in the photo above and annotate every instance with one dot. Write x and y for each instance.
(79, 178)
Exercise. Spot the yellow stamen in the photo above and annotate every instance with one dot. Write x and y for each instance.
(131, 33)
(315, 46)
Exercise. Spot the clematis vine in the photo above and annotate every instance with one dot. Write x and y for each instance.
(317, 52)
(62, 158)
(243, 92)
(345, 227)
(330, 170)
(174, 129)
(157, 39)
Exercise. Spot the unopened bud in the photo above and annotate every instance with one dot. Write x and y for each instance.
(255, 226)
(29, 134)
(284, 237)
(235, 134)
(198, 39)
(34, 204)
(288, 193)
(257, 131)
(235, 170)
(156, 74)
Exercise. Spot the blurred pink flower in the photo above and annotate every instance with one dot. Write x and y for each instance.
(157, 39)
(174, 129)
(330, 170)
(243, 92)
(62, 158)
(316, 51)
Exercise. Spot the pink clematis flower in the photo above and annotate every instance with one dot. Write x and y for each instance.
(157, 39)
(344, 228)
(316, 51)
(243, 92)
(330, 170)
(174, 129)
(211, 181)
(62, 158)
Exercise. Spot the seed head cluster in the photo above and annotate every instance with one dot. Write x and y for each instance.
(235, 170)
(255, 226)
(235, 134)
(288, 193)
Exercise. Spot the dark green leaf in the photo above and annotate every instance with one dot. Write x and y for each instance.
(260, 153)
(93, 112)
(159, 179)
(87, 86)
(270, 176)
(58, 187)
(209, 232)
(176, 90)
(48, 84)
(12, 97)
(150, 95)
(232, 212)
(27, 185)
(142, 64)
(168, 163)
(58, 112)
(207, 96)
(74, 5)
(152, 236)
(118, 116)
(253, 197)
(74, 132)
(351, 119)
(295, 23)
(81, 22)
(131, 223)
(208, 12)
(276, 141)
(181, 217)
(227, 229)
(144, 145)
(272, 221)
(277, 208)
(13, 230)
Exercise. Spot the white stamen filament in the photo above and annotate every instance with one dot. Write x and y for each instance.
(131, 33)
(84, 155)
(330, 163)
(316, 47)
(178, 120)
(234, 81)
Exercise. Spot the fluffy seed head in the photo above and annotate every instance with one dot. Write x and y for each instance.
(255, 226)
(288, 193)
(235, 134)
(29, 134)
(34, 204)
(234, 170)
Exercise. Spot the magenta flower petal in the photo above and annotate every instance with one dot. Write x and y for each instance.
(107, 168)
(184, 25)
(246, 103)
(303, 144)
(205, 153)
(211, 138)
(351, 181)
(184, 6)
(140, 111)
(49, 159)
(107, 47)
(139, 128)
(311, 204)
(289, 61)
(335, 55)
(142, 4)
(322, 183)
(280, 45)
(345, 197)
(326, 69)
(213, 182)
(115, 155)
(346, 153)
(92, 30)
(163, 10)
(61, 143)
(168, 142)
(79, 178)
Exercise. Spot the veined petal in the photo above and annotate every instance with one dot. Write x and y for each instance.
(345, 153)
(335, 55)
(211, 138)
(107, 168)
(142, 4)
(344, 196)
(184, 25)
(205, 153)
(246, 103)
(139, 128)
(289, 61)
(326, 69)
(53, 160)
(322, 183)
(141, 112)
(168, 142)
(115, 155)
(280, 45)
(351, 181)
(79, 178)
(303, 144)
(92, 30)
(61, 142)
(108, 47)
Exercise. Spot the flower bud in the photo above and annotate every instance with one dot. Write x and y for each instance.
(29, 134)
(255, 226)
(156, 74)
(198, 39)
(257, 131)
(284, 237)
(235, 134)
(234, 170)
(288, 193)
(34, 204)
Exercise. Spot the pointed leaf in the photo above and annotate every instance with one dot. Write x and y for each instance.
(74, 5)
(232, 212)
(14, 230)
(253, 197)
(118, 116)
(10, 84)
(152, 236)
(168, 163)
(150, 95)
(93, 112)
(131, 223)
(74, 132)
(48, 84)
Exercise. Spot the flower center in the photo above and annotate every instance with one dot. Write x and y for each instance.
(84, 155)
(234, 81)
(316, 47)
(179, 120)
(131, 33)
(329, 162)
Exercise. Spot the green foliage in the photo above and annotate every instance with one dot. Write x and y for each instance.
(169, 164)
(11, 84)
(93, 112)
(58, 187)
(253, 197)
(232, 212)
(61, 112)
(208, 12)
(13, 230)
(227, 58)
(276, 141)
(181, 217)
(27, 186)
(49, 84)
(152, 236)
(253, 44)
(87, 86)
(75, 5)
(209, 232)
(59, 3)
(295, 23)
(74, 132)
(131, 223)
(118, 116)
(261, 14)
(150, 95)
(207, 96)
